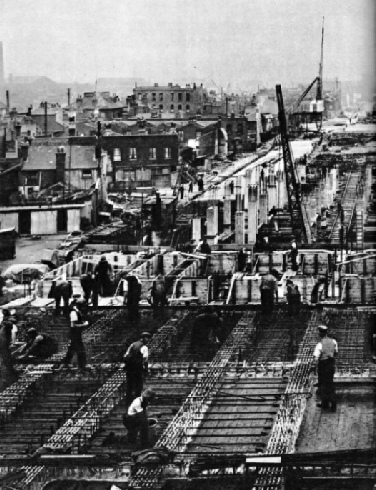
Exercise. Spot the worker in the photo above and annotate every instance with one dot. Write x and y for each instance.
(102, 273)
(268, 288)
(204, 248)
(181, 190)
(136, 420)
(2, 283)
(200, 184)
(158, 296)
(190, 187)
(38, 346)
(289, 290)
(231, 186)
(294, 252)
(324, 354)
(207, 330)
(136, 367)
(87, 284)
(242, 259)
(133, 298)
(76, 344)
(296, 300)
(61, 289)
(6, 360)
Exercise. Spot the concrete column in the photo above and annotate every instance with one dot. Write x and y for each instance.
(245, 185)
(263, 204)
(212, 220)
(239, 227)
(252, 213)
(227, 213)
(238, 190)
(359, 230)
(313, 209)
(196, 229)
(272, 196)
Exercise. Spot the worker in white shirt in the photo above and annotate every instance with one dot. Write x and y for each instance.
(136, 366)
(324, 355)
(137, 418)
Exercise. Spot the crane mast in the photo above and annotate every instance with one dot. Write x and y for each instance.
(319, 81)
(299, 218)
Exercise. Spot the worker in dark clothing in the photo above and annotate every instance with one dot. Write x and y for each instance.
(102, 273)
(207, 330)
(289, 290)
(87, 284)
(294, 252)
(61, 289)
(158, 296)
(38, 346)
(190, 187)
(181, 190)
(6, 359)
(2, 283)
(324, 354)
(76, 343)
(231, 186)
(296, 300)
(242, 260)
(200, 184)
(268, 289)
(133, 298)
(205, 247)
(136, 367)
(136, 420)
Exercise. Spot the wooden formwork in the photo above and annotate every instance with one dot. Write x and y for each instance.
(358, 290)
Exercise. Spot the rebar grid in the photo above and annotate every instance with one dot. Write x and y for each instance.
(16, 394)
(290, 414)
(190, 415)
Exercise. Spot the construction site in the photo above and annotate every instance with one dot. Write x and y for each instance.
(236, 404)
(239, 412)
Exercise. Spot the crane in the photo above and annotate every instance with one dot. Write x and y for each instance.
(299, 218)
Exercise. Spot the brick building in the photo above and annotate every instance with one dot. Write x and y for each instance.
(142, 160)
(172, 99)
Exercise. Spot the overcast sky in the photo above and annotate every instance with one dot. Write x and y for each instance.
(173, 40)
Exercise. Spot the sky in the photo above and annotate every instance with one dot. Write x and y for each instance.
(226, 41)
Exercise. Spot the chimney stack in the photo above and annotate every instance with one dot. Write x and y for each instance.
(60, 164)
(69, 97)
(8, 102)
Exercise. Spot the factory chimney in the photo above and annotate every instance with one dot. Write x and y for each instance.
(69, 97)
(8, 102)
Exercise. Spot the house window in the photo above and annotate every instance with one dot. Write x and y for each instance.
(198, 134)
(179, 107)
(132, 153)
(240, 129)
(154, 96)
(161, 107)
(117, 155)
(181, 135)
(172, 107)
(228, 128)
(161, 97)
(172, 95)
(86, 174)
(180, 97)
(139, 95)
(188, 97)
(168, 152)
(187, 107)
(152, 153)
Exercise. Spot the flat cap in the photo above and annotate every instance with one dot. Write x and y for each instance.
(322, 327)
(146, 334)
